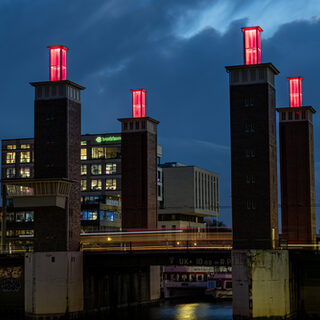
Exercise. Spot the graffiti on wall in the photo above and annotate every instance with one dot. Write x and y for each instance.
(11, 278)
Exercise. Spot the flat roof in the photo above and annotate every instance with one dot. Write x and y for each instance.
(254, 66)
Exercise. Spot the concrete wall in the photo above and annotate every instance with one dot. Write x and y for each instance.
(261, 285)
(53, 283)
(154, 283)
(107, 288)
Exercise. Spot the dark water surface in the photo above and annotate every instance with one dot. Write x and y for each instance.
(177, 310)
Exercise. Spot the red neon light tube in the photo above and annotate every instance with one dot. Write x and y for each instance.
(138, 103)
(58, 63)
(252, 45)
(295, 91)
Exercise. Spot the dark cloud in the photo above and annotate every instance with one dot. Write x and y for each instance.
(124, 44)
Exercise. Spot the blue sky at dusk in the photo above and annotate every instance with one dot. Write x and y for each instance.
(175, 49)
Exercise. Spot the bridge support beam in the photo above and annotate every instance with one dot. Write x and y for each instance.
(260, 284)
(53, 284)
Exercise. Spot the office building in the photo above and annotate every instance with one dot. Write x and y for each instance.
(189, 195)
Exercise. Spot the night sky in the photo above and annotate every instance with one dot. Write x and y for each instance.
(175, 49)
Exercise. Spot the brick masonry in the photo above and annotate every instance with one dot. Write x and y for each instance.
(57, 155)
(139, 179)
(254, 202)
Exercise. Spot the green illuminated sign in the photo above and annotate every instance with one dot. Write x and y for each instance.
(108, 139)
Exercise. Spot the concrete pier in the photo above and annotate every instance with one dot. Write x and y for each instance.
(260, 281)
(53, 284)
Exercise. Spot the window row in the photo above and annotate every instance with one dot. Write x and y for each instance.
(25, 157)
(135, 125)
(110, 200)
(289, 115)
(101, 153)
(17, 233)
(103, 215)
(22, 146)
(25, 172)
(20, 216)
(96, 169)
(96, 184)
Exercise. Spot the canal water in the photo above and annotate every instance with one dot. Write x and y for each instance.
(178, 310)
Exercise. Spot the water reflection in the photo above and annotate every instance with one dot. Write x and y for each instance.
(179, 311)
(187, 311)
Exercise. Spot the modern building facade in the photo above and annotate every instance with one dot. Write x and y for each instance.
(189, 194)
(253, 148)
(297, 169)
(100, 183)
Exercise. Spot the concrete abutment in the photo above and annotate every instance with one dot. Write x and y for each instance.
(261, 284)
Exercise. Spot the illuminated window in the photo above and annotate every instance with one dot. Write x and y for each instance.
(96, 169)
(11, 157)
(96, 184)
(11, 146)
(92, 215)
(111, 184)
(10, 172)
(29, 216)
(25, 157)
(89, 215)
(104, 152)
(83, 169)
(83, 154)
(25, 146)
(20, 216)
(97, 153)
(10, 233)
(111, 168)
(83, 143)
(83, 185)
(111, 152)
(25, 172)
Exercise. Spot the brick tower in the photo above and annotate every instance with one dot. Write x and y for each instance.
(57, 121)
(54, 194)
(139, 166)
(297, 168)
(253, 148)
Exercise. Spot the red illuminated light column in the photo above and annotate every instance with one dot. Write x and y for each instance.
(252, 45)
(295, 89)
(138, 103)
(58, 63)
